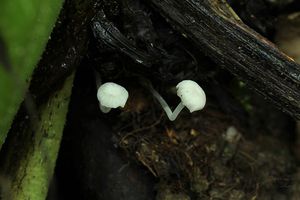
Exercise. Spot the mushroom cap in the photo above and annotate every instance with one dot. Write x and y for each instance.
(112, 95)
(191, 94)
(232, 135)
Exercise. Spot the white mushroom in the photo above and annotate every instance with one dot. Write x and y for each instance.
(111, 95)
(232, 135)
(191, 94)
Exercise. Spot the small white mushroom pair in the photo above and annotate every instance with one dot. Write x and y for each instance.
(112, 95)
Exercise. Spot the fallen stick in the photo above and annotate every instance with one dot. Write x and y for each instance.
(214, 27)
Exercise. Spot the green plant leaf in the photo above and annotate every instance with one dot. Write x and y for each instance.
(25, 27)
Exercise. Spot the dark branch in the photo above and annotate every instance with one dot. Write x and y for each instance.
(214, 28)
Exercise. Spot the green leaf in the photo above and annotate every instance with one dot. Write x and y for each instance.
(25, 27)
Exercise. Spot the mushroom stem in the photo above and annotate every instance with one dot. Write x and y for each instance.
(162, 102)
(176, 112)
(171, 115)
(104, 109)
